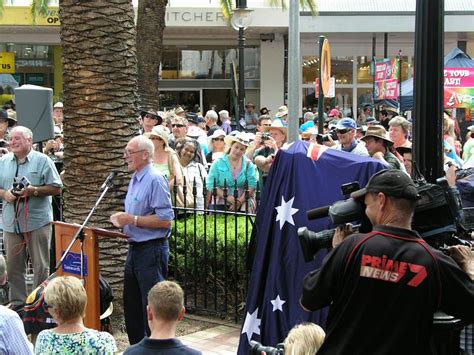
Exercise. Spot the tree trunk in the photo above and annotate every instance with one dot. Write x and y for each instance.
(99, 71)
(150, 27)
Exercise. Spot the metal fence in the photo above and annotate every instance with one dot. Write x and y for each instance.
(209, 248)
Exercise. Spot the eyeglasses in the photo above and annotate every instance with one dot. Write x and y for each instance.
(127, 153)
(218, 139)
(177, 125)
(343, 131)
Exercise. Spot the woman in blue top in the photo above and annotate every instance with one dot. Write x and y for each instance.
(235, 170)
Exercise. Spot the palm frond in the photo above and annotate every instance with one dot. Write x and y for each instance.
(226, 8)
(306, 4)
(39, 7)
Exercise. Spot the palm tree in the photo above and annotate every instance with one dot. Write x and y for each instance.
(150, 27)
(100, 71)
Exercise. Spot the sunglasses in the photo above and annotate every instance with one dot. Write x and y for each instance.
(218, 139)
(177, 125)
(153, 117)
(343, 131)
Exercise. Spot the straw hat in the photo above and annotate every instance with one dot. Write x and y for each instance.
(282, 111)
(240, 137)
(277, 124)
(160, 132)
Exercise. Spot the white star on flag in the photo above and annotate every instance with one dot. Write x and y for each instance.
(251, 325)
(277, 303)
(285, 212)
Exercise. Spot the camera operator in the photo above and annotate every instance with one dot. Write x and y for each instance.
(384, 287)
(27, 211)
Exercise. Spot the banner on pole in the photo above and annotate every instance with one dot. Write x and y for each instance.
(459, 88)
(386, 79)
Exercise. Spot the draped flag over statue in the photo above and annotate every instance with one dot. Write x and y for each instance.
(302, 177)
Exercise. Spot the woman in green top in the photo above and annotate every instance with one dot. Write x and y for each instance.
(165, 159)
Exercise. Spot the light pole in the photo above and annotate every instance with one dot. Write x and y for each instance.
(241, 19)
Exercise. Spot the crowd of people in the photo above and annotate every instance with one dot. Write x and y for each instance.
(177, 150)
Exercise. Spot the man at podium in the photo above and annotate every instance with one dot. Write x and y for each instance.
(147, 223)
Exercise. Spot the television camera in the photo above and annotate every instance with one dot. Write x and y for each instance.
(439, 218)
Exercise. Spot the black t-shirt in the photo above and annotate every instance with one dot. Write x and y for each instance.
(161, 346)
(383, 291)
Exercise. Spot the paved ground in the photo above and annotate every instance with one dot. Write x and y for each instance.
(221, 339)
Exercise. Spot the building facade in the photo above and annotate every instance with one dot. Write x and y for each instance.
(200, 49)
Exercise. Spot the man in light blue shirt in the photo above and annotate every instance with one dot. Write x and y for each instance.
(13, 339)
(147, 223)
(27, 211)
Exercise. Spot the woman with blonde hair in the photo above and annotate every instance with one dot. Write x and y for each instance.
(165, 159)
(66, 301)
(304, 339)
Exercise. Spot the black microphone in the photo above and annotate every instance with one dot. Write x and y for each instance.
(109, 179)
(318, 212)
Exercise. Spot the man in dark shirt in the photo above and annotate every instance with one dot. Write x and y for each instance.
(384, 287)
(165, 309)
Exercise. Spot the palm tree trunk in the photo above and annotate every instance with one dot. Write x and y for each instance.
(99, 71)
(150, 27)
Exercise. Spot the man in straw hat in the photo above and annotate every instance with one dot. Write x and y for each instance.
(378, 145)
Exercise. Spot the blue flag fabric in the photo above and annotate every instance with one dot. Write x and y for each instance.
(296, 183)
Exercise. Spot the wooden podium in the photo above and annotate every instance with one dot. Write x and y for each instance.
(64, 234)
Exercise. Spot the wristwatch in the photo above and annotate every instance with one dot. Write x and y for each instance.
(35, 193)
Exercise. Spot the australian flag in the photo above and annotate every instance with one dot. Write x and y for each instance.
(302, 177)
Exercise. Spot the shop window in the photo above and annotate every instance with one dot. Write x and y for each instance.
(341, 69)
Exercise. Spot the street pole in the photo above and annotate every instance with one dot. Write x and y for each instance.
(320, 86)
(241, 74)
(294, 70)
(428, 88)
(400, 81)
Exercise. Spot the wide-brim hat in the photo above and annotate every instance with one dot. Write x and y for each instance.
(194, 132)
(58, 104)
(178, 110)
(276, 124)
(192, 117)
(155, 115)
(160, 132)
(403, 150)
(11, 117)
(264, 111)
(377, 131)
(392, 109)
(218, 133)
(240, 137)
(282, 111)
(108, 312)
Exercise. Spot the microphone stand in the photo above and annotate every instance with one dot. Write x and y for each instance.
(80, 232)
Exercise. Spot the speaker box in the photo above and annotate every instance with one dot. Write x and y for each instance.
(34, 109)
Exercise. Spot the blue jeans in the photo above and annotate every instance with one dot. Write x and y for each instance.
(146, 264)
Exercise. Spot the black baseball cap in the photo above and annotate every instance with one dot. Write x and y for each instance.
(391, 182)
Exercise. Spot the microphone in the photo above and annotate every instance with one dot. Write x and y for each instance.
(319, 212)
(109, 179)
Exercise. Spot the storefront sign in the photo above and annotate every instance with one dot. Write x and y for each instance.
(386, 79)
(7, 62)
(459, 88)
(21, 15)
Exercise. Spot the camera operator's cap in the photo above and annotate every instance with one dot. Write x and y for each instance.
(391, 182)
(377, 131)
(346, 123)
(276, 124)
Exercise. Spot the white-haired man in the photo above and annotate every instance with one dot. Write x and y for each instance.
(147, 222)
(211, 122)
(225, 121)
(27, 182)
